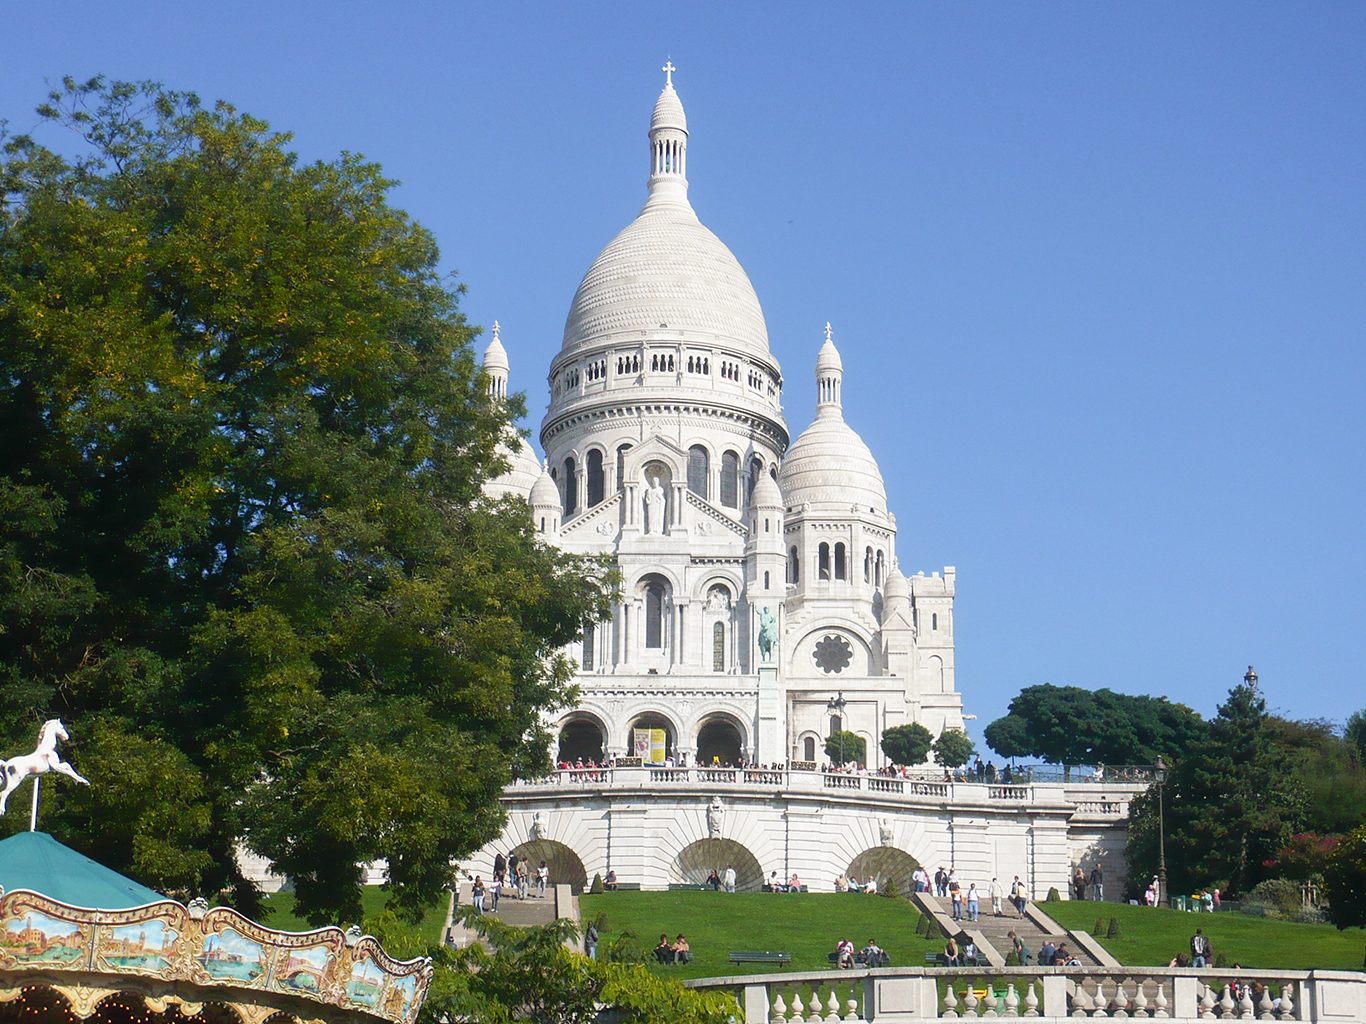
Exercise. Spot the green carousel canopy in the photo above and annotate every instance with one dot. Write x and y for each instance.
(37, 862)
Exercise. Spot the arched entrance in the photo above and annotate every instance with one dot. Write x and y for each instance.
(697, 860)
(651, 721)
(719, 739)
(886, 864)
(565, 866)
(581, 737)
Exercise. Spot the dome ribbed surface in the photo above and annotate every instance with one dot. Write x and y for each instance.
(766, 493)
(669, 111)
(666, 268)
(523, 468)
(829, 465)
(544, 493)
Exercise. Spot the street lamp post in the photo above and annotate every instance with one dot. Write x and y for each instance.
(1160, 773)
(837, 704)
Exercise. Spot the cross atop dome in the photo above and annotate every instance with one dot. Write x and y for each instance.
(668, 70)
(827, 330)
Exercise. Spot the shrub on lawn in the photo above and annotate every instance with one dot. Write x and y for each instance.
(1053, 895)
(1012, 959)
(1098, 929)
(889, 889)
(596, 887)
(1220, 959)
(920, 924)
(1113, 932)
(1277, 898)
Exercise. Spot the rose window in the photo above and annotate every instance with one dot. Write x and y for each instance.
(833, 654)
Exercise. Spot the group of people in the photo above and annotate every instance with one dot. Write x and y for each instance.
(967, 901)
(725, 880)
(871, 955)
(960, 956)
(510, 875)
(1007, 776)
(676, 952)
(584, 770)
(1050, 955)
(775, 884)
(850, 883)
(1095, 883)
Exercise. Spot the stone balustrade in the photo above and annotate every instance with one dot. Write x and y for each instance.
(912, 995)
(1104, 801)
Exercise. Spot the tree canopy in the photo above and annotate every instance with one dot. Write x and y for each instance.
(1070, 725)
(843, 746)
(907, 744)
(243, 548)
(953, 748)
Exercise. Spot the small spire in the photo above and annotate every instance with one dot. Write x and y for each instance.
(668, 70)
(827, 329)
(495, 330)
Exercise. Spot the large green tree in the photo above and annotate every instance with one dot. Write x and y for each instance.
(243, 549)
(1069, 725)
(1229, 806)
(907, 744)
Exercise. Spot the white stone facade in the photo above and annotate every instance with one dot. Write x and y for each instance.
(666, 448)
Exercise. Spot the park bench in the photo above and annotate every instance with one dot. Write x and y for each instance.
(754, 956)
(625, 887)
(936, 960)
(688, 886)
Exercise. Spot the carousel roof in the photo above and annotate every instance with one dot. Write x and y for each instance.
(37, 862)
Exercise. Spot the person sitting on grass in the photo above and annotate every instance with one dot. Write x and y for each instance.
(682, 952)
(841, 883)
(871, 887)
(853, 884)
(664, 952)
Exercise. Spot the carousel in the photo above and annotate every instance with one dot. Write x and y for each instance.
(79, 942)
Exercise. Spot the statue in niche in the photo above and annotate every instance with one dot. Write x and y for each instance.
(537, 830)
(715, 813)
(718, 599)
(884, 831)
(768, 635)
(654, 506)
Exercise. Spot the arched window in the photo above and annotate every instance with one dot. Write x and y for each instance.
(877, 577)
(730, 480)
(698, 469)
(794, 566)
(835, 724)
(841, 568)
(765, 579)
(654, 616)
(571, 488)
(809, 748)
(621, 466)
(718, 647)
(868, 565)
(587, 664)
(823, 561)
(934, 621)
(756, 466)
(594, 478)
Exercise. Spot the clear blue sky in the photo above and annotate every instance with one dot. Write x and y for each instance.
(1096, 270)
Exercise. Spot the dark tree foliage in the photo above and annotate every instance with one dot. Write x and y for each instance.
(243, 549)
(953, 748)
(1355, 734)
(1229, 806)
(846, 745)
(1345, 881)
(907, 744)
(1069, 725)
(1330, 775)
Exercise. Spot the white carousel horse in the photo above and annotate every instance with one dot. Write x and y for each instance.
(40, 762)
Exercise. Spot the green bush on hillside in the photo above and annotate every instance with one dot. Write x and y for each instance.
(1053, 895)
(1098, 929)
(596, 887)
(1114, 931)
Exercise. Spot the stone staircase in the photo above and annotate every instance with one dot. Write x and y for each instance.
(558, 902)
(1033, 929)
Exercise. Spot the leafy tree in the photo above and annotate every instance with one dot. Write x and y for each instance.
(907, 744)
(843, 746)
(1355, 734)
(1328, 772)
(244, 552)
(1070, 725)
(1009, 737)
(953, 748)
(1344, 881)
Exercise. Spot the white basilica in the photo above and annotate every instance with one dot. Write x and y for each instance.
(759, 577)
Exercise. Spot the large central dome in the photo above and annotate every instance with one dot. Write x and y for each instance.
(667, 271)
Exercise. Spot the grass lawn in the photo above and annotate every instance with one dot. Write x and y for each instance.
(807, 925)
(372, 901)
(1154, 936)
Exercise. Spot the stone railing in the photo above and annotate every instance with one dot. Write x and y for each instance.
(1102, 803)
(909, 995)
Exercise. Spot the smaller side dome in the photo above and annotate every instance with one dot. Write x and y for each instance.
(896, 587)
(544, 492)
(828, 358)
(669, 108)
(766, 493)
